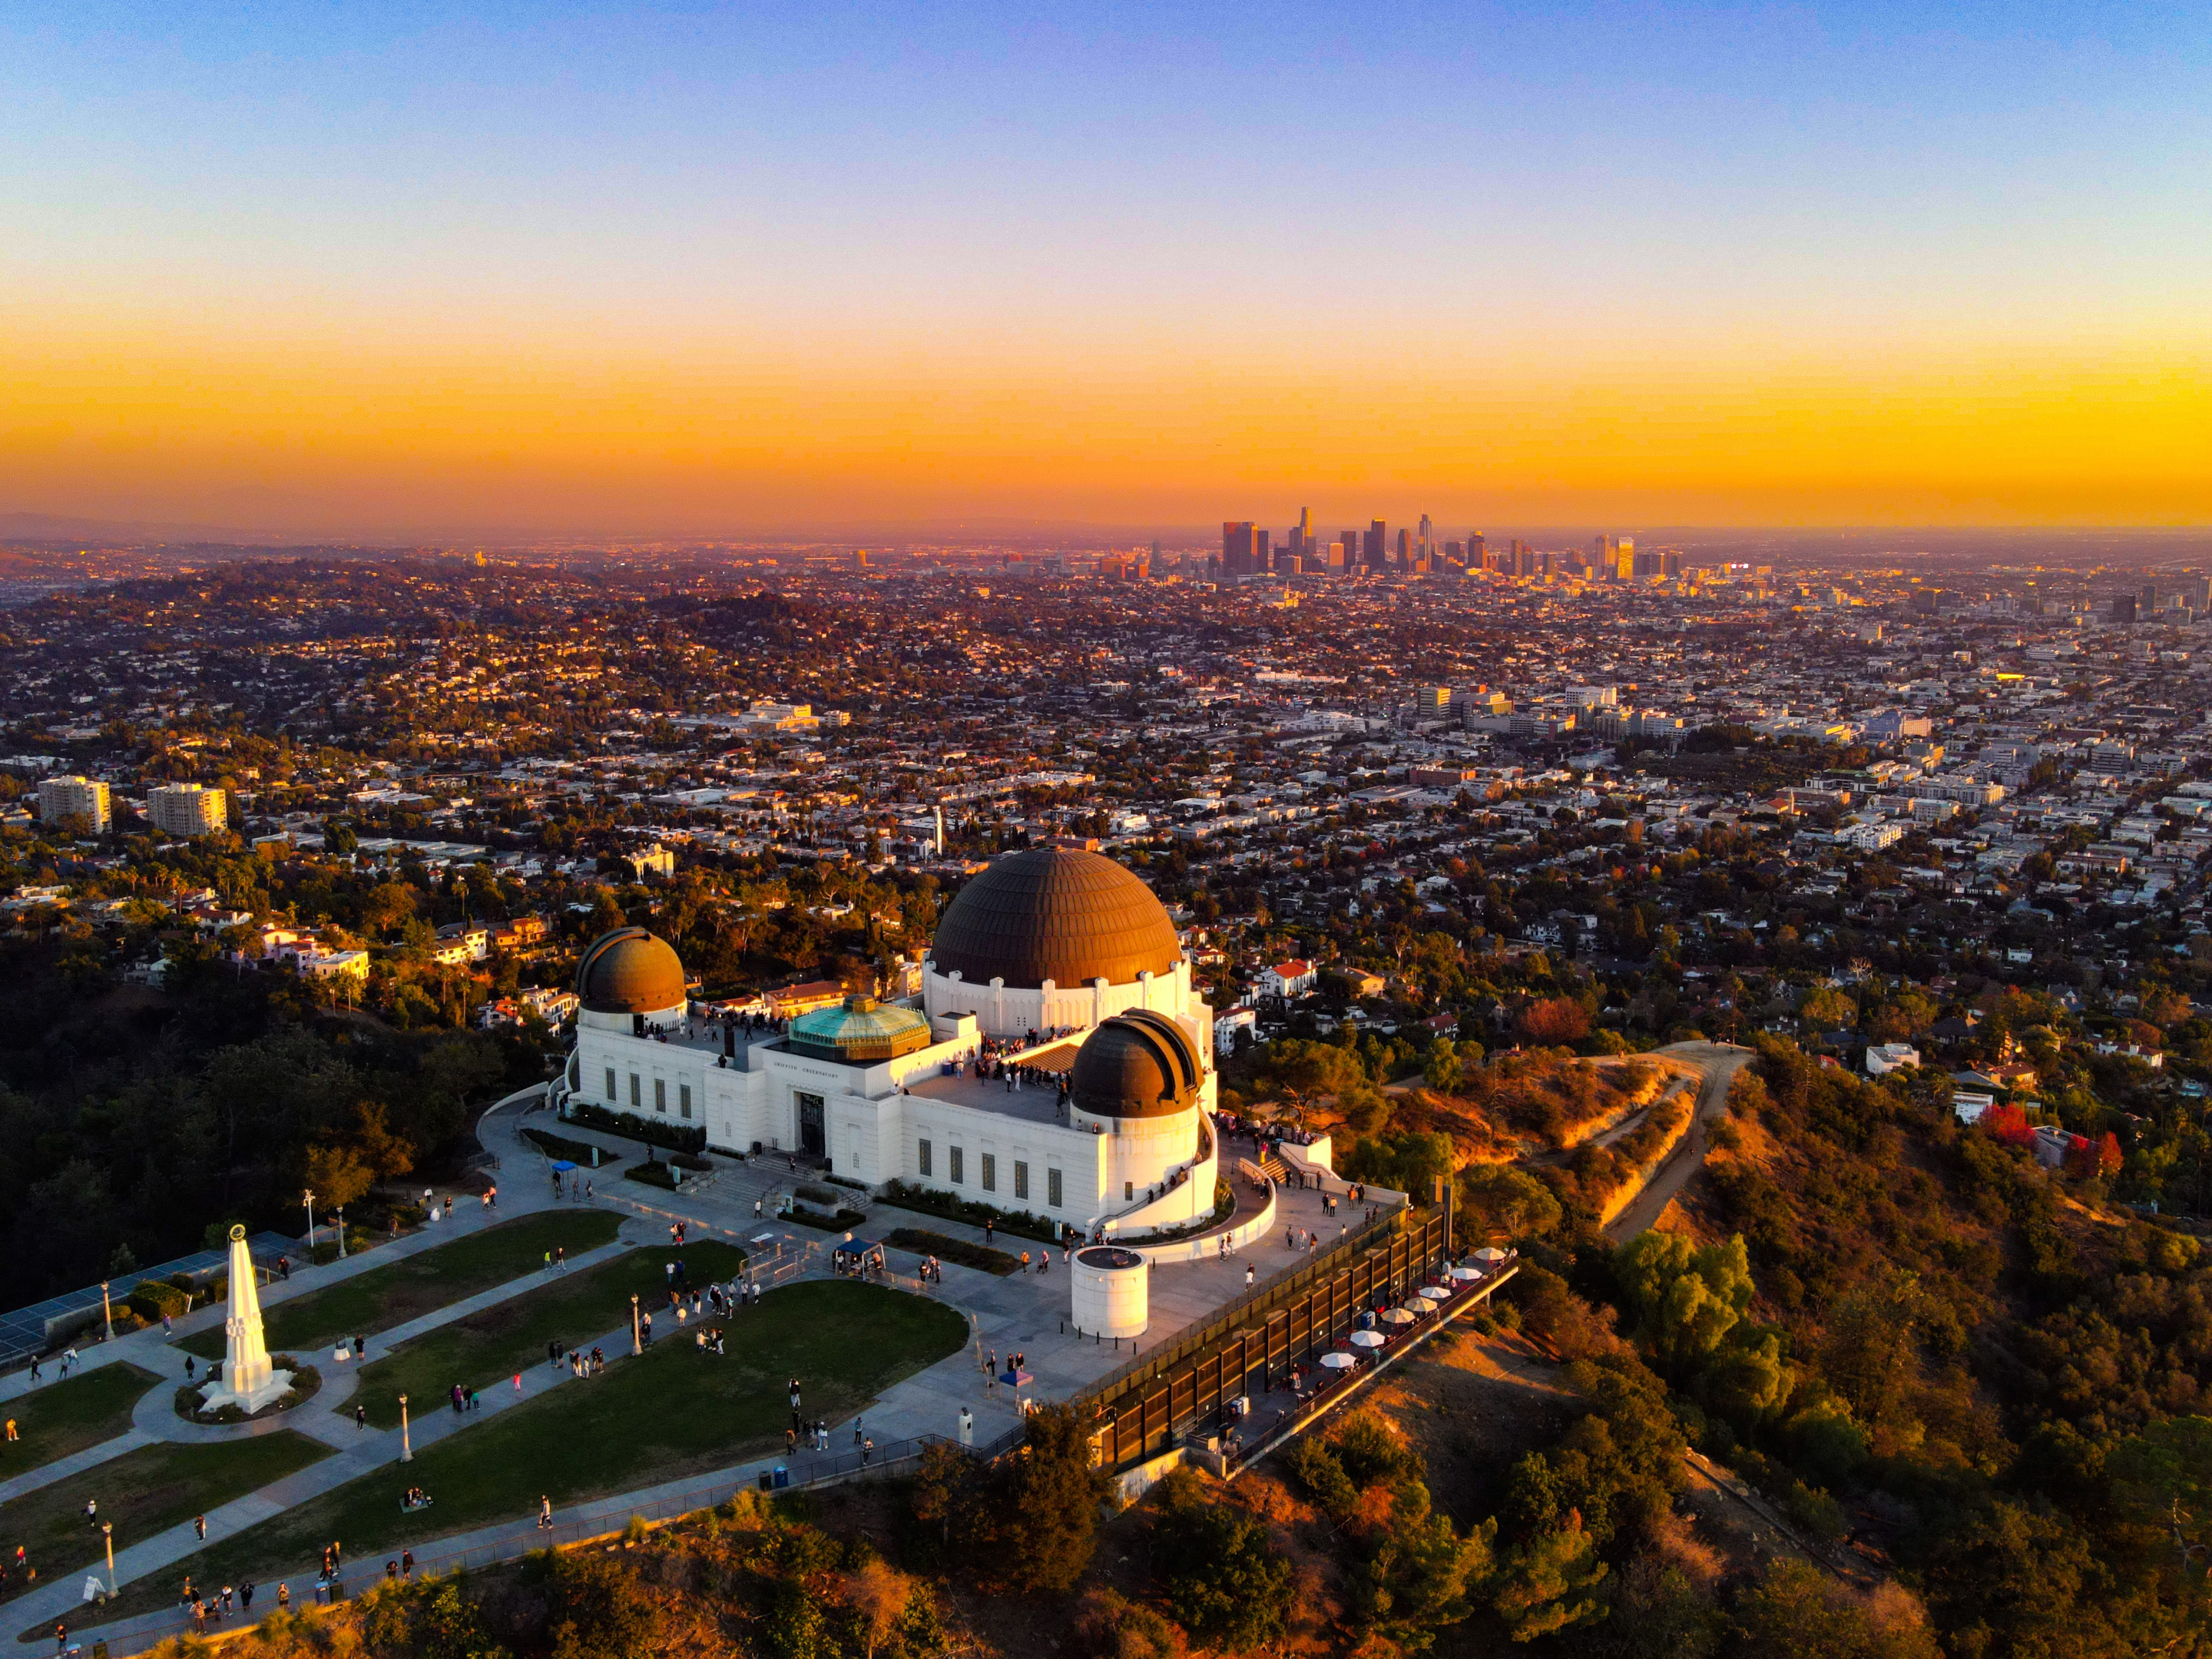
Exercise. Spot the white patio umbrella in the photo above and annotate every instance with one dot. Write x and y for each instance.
(1338, 1362)
(1396, 1316)
(1420, 1305)
(1437, 1292)
(1366, 1340)
(1467, 1275)
(1490, 1253)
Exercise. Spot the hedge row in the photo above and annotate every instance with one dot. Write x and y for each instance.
(927, 1203)
(682, 1137)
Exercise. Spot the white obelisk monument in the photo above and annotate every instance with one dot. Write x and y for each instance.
(248, 1381)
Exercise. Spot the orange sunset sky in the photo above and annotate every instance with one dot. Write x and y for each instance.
(607, 271)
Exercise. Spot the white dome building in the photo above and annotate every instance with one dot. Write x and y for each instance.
(1063, 956)
(1057, 939)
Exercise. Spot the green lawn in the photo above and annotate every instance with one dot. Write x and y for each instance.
(675, 1412)
(143, 1492)
(416, 1285)
(61, 1417)
(490, 1346)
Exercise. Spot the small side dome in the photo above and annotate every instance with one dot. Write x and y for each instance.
(1137, 1064)
(861, 1032)
(630, 971)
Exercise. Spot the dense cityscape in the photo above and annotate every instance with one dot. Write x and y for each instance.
(306, 845)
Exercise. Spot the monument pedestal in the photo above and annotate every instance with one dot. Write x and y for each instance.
(267, 1392)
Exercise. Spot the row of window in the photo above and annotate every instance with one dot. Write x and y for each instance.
(660, 1095)
(956, 1171)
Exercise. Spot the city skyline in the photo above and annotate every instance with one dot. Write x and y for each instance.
(607, 271)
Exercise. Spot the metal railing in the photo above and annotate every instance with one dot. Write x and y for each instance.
(1319, 1263)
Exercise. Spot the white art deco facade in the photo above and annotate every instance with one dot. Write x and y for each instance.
(1054, 952)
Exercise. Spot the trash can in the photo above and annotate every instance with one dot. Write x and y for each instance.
(768, 1482)
(782, 1477)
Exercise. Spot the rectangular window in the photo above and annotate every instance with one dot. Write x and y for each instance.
(1128, 1189)
(1021, 1179)
(1052, 1189)
(683, 1099)
(922, 1157)
(637, 1100)
(990, 1172)
(660, 1096)
(952, 1168)
(612, 1097)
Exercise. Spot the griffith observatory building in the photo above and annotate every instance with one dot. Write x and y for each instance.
(1062, 957)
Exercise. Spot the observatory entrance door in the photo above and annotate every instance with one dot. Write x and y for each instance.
(813, 1139)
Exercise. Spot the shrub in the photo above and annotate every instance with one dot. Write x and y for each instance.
(576, 1151)
(152, 1299)
(922, 1242)
(1111, 1626)
(842, 1221)
(814, 1194)
(927, 1203)
(682, 1137)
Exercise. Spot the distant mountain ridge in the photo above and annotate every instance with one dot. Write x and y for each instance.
(59, 527)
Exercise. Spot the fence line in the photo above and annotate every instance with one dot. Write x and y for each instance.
(1192, 1341)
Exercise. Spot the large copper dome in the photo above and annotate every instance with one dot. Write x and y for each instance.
(629, 972)
(1056, 914)
(1137, 1064)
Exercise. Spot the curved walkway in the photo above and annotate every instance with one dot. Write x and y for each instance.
(1026, 1312)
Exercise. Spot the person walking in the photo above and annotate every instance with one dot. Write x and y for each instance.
(407, 1565)
(359, 1417)
(967, 1427)
(246, 1597)
(283, 1598)
(545, 1513)
(199, 1526)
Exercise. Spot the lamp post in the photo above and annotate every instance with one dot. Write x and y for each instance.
(406, 1445)
(307, 1198)
(636, 1341)
(107, 1311)
(107, 1537)
(341, 1232)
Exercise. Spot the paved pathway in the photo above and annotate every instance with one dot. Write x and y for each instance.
(154, 1419)
(1024, 1312)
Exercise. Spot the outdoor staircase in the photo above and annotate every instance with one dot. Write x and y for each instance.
(1274, 1168)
